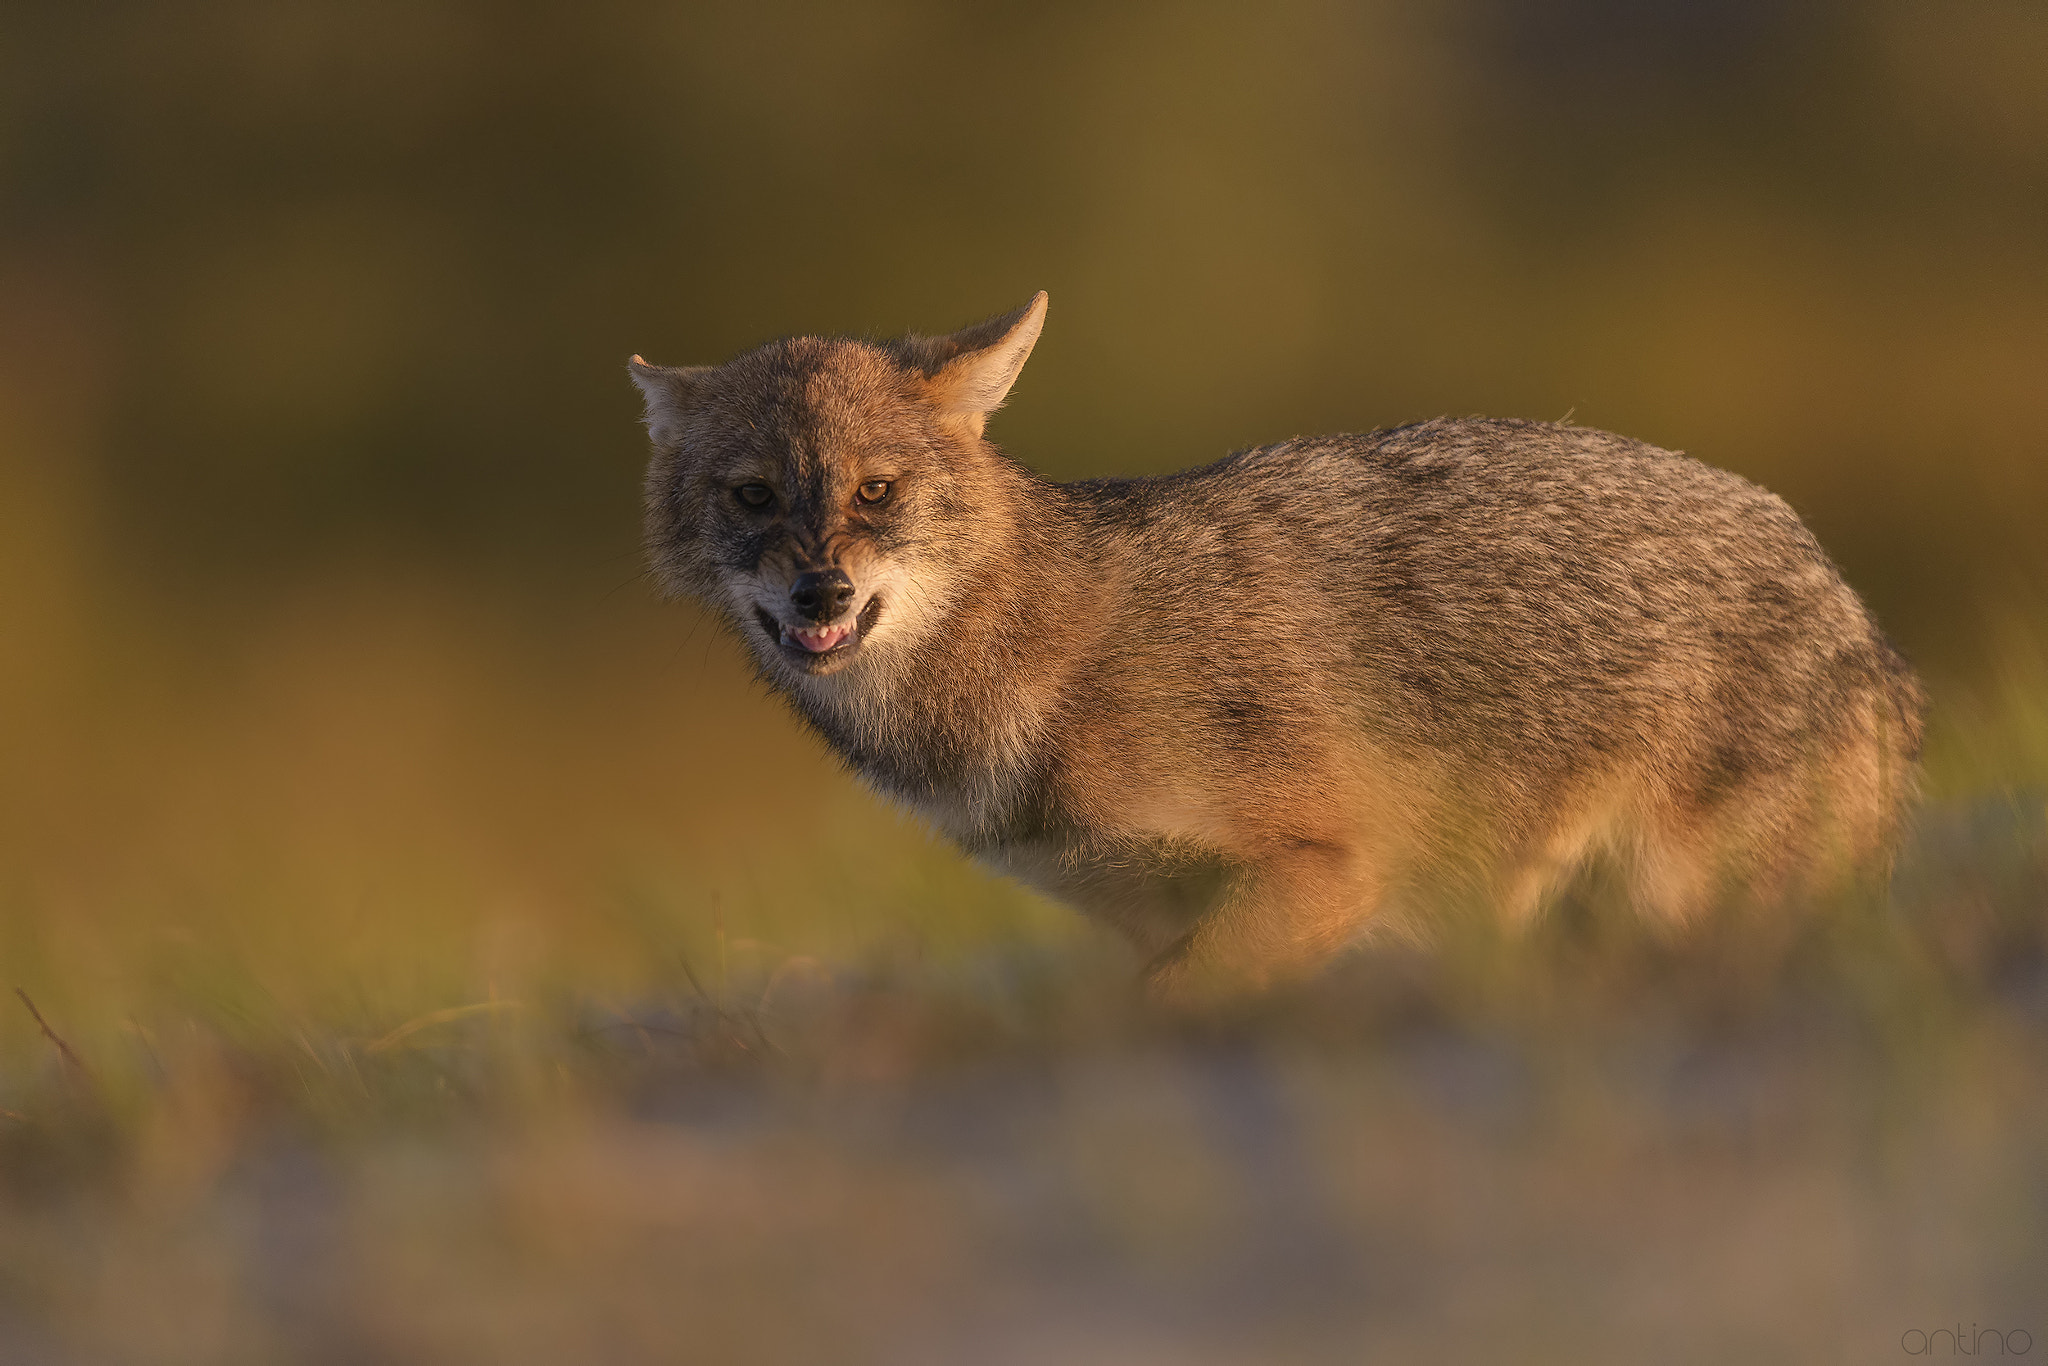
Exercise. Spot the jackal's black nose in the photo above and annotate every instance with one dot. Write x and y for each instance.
(821, 597)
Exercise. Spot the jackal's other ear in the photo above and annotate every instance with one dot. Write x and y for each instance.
(983, 362)
(670, 392)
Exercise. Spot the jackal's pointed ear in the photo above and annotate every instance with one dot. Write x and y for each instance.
(670, 392)
(982, 363)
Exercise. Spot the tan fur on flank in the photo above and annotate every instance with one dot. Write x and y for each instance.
(1246, 713)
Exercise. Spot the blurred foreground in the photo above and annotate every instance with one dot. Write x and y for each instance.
(441, 992)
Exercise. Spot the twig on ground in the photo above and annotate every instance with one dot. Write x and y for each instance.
(71, 1059)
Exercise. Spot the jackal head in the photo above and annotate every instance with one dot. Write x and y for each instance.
(832, 497)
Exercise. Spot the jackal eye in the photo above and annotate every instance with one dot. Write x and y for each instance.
(874, 491)
(754, 495)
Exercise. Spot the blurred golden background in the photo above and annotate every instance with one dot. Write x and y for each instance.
(332, 695)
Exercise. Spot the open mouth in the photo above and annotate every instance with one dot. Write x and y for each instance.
(817, 649)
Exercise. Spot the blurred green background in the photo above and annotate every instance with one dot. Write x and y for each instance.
(332, 694)
(289, 284)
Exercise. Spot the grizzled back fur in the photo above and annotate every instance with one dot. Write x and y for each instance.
(1244, 712)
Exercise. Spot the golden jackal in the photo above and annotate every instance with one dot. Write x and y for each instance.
(1240, 712)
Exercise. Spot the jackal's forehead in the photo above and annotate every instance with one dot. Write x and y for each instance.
(812, 413)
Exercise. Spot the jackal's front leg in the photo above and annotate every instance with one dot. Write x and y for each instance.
(1280, 915)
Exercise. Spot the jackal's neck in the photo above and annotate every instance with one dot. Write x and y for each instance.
(955, 723)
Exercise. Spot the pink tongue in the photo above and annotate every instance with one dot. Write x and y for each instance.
(821, 642)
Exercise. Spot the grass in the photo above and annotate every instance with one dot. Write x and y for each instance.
(419, 983)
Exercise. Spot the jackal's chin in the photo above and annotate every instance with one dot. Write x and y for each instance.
(819, 650)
